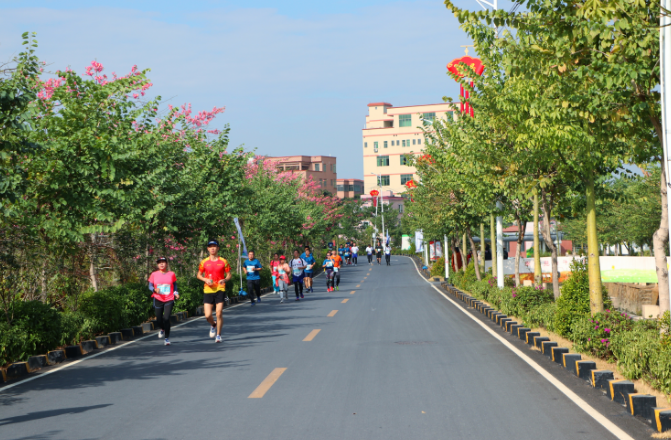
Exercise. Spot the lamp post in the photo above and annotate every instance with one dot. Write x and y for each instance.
(381, 201)
(665, 83)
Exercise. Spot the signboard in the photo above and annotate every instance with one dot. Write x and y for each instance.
(419, 241)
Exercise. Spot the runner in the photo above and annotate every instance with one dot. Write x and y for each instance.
(297, 265)
(369, 253)
(355, 254)
(273, 270)
(337, 263)
(252, 267)
(214, 271)
(309, 271)
(387, 254)
(283, 270)
(163, 285)
(347, 255)
(328, 265)
(378, 252)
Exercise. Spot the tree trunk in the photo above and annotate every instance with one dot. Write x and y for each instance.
(593, 267)
(482, 245)
(547, 239)
(521, 230)
(538, 272)
(464, 258)
(492, 243)
(476, 264)
(93, 275)
(659, 240)
(43, 279)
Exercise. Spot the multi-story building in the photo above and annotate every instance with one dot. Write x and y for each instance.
(322, 169)
(391, 135)
(349, 188)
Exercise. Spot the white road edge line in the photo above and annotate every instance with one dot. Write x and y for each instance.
(603, 421)
(70, 364)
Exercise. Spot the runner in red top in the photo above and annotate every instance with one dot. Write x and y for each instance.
(163, 287)
(214, 271)
(337, 262)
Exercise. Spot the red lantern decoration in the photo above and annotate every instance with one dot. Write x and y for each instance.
(455, 67)
(410, 184)
(375, 193)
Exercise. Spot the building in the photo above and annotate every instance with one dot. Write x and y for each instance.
(322, 169)
(393, 203)
(390, 136)
(349, 188)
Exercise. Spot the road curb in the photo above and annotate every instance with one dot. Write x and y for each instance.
(620, 391)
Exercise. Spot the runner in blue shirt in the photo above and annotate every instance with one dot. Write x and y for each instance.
(252, 268)
(309, 269)
(329, 265)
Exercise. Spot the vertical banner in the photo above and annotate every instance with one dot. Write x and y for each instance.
(432, 250)
(439, 250)
(242, 237)
(419, 240)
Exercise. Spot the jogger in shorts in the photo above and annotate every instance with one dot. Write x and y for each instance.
(214, 271)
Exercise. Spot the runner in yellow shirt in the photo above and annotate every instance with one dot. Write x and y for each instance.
(214, 271)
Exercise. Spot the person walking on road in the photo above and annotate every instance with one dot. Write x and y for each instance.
(297, 265)
(163, 287)
(328, 266)
(378, 252)
(387, 254)
(214, 271)
(337, 264)
(369, 253)
(309, 269)
(252, 267)
(355, 254)
(283, 271)
(347, 255)
(274, 263)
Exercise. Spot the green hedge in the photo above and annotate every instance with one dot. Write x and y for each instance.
(641, 349)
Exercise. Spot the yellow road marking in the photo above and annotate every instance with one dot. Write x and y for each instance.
(344, 300)
(332, 314)
(312, 335)
(358, 285)
(352, 292)
(268, 382)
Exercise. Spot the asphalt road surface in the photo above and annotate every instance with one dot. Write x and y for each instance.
(386, 357)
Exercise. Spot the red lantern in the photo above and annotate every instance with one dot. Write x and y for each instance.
(455, 68)
(375, 193)
(410, 184)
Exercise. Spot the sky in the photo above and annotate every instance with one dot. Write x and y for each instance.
(295, 76)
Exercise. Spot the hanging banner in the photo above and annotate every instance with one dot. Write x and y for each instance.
(242, 237)
(439, 250)
(432, 250)
(419, 242)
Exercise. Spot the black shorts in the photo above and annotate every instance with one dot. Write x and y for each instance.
(214, 298)
(307, 274)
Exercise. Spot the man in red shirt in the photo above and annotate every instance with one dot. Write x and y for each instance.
(337, 263)
(214, 271)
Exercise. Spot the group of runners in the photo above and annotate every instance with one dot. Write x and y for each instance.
(377, 251)
(214, 271)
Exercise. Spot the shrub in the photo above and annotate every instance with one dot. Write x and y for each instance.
(634, 349)
(438, 268)
(594, 335)
(542, 315)
(104, 310)
(190, 295)
(573, 304)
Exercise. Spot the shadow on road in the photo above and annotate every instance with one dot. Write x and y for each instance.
(51, 413)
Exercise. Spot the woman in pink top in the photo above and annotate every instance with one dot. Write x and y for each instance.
(273, 271)
(163, 286)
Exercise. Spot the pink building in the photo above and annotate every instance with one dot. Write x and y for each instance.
(349, 188)
(322, 169)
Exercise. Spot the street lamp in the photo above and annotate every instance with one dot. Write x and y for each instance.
(381, 201)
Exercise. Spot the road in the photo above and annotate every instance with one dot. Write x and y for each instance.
(396, 361)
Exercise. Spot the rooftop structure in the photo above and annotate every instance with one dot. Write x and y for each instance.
(322, 169)
(349, 188)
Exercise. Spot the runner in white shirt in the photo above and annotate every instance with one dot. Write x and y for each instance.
(387, 254)
(355, 253)
(369, 252)
(297, 265)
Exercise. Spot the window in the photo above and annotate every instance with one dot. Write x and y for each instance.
(404, 159)
(405, 178)
(383, 181)
(404, 142)
(334, 168)
(341, 187)
(404, 120)
(316, 167)
(413, 142)
(400, 208)
(383, 161)
(419, 141)
(358, 187)
(428, 118)
(365, 144)
(375, 147)
(385, 144)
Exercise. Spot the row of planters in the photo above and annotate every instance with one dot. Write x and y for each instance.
(33, 328)
(641, 349)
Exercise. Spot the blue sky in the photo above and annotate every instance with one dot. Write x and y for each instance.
(295, 76)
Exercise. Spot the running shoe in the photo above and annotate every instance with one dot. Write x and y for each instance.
(302, 296)
(298, 299)
(337, 287)
(281, 300)
(258, 299)
(213, 332)
(161, 334)
(166, 342)
(253, 303)
(218, 339)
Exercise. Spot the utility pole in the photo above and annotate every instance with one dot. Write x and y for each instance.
(665, 83)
